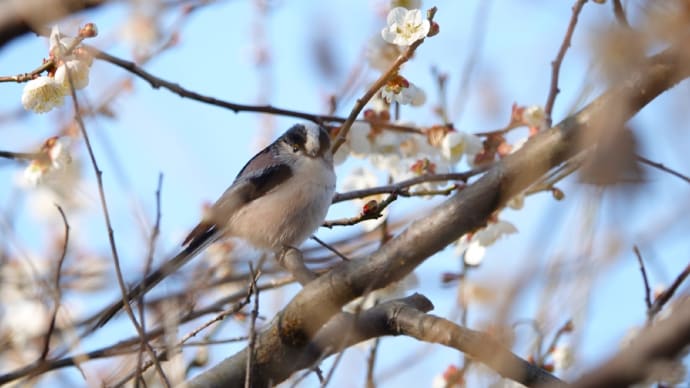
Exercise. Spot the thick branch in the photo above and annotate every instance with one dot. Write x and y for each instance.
(663, 341)
(295, 327)
(405, 316)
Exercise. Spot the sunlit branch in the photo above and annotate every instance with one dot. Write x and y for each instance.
(375, 87)
(108, 224)
(556, 64)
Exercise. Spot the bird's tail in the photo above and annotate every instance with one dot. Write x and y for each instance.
(151, 280)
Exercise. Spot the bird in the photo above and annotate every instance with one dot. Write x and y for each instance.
(277, 201)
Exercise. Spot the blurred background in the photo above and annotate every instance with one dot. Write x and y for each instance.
(568, 260)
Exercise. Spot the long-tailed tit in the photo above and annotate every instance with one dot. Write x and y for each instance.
(277, 201)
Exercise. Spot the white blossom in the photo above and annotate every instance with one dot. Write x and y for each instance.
(563, 357)
(57, 158)
(473, 247)
(79, 72)
(58, 43)
(43, 94)
(387, 142)
(410, 94)
(378, 104)
(398, 168)
(391, 94)
(456, 144)
(534, 116)
(405, 27)
(361, 178)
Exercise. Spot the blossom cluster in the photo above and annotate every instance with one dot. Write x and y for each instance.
(72, 65)
(53, 157)
(404, 27)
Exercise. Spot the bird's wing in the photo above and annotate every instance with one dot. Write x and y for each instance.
(245, 189)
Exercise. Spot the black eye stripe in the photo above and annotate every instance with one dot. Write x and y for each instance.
(296, 136)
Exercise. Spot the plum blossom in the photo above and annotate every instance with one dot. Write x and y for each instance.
(473, 246)
(534, 116)
(405, 27)
(58, 43)
(79, 74)
(455, 144)
(448, 379)
(361, 178)
(563, 357)
(402, 91)
(43, 94)
(54, 156)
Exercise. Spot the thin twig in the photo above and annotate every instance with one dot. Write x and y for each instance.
(232, 310)
(556, 64)
(375, 87)
(50, 63)
(645, 279)
(147, 268)
(371, 213)
(371, 361)
(336, 362)
(330, 248)
(157, 83)
(108, 224)
(619, 12)
(661, 167)
(663, 298)
(20, 155)
(131, 345)
(314, 368)
(567, 327)
(57, 294)
(252, 330)
(399, 187)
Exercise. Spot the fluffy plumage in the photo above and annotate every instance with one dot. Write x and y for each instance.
(278, 199)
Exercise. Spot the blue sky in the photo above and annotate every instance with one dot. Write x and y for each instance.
(200, 148)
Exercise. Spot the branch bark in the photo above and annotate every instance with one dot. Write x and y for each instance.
(296, 326)
(661, 342)
(406, 316)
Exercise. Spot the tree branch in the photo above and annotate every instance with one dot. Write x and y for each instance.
(295, 327)
(663, 341)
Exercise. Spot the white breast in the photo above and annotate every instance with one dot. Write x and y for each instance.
(290, 213)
